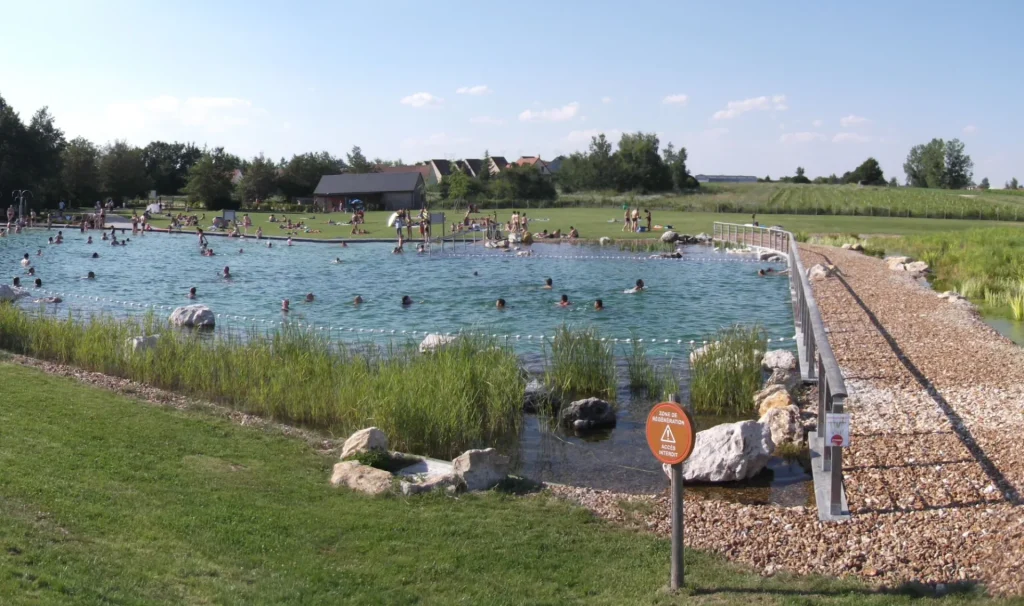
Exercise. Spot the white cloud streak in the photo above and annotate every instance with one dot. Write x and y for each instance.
(763, 103)
(584, 136)
(559, 114)
(213, 114)
(802, 137)
(970, 129)
(679, 99)
(422, 100)
(606, 100)
(852, 120)
(479, 89)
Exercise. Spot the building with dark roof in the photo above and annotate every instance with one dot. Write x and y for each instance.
(498, 164)
(379, 191)
(439, 169)
(476, 166)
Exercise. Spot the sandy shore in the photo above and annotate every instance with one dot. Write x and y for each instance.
(935, 472)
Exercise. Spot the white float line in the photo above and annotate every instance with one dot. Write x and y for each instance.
(616, 258)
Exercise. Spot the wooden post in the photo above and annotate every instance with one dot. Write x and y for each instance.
(677, 578)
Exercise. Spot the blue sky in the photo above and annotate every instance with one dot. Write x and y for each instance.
(746, 87)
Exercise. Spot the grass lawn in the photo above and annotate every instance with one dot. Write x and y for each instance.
(594, 223)
(107, 500)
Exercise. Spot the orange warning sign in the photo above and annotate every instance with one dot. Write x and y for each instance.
(670, 433)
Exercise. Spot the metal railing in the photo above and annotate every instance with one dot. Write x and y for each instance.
(817, 361)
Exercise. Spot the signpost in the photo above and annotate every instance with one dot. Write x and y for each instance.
(837, 429)
(671, 437)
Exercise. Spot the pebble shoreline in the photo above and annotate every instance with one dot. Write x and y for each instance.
(935, 472)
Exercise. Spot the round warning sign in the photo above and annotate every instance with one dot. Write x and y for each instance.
(670, 433)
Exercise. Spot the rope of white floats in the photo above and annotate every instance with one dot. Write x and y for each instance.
(393, 331)
(653, 257)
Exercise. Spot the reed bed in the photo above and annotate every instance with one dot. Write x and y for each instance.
(644, 376)
(468, 394)
(725, 375)
(579, 363)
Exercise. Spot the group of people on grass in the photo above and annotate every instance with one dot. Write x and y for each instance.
(631, 219)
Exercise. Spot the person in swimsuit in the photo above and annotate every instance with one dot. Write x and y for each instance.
(564, 302)
(638, 288)
(284, 306)
(548, 284)
(500, 304)
(599, 305)
(406, 301)
(191, 293)
(309, 297)
(227, 272)
(358, 300)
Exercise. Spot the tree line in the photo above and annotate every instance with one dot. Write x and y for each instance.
(636, 165)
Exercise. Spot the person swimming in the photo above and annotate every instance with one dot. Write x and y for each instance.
(564, 302)
(638, 288)
(284, 305)
(89, 241)
(336, 260)
(240, 251)
(289, 241)
(31, 271)
(25, 262)
(39, 252)
(599, 305)
(191, 293)
(270, 245)
(406, 301)
(39, 283)
(227, 272)
(309, 297)
(16, 282)
(95, 255)
(500, 304)
(90, 276)
(344, 245)
(358, 300)
(548, 284)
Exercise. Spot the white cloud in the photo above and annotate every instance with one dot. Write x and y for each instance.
(676, 99)
(736, 108)
(559, 114)
(851, 138)
(970, 129)
(802, 137)
(479, 89)
(436, 140)
(606, 100)
(213, 114)
(422, 100)
(818, 123)
(852, 120)
(486, 120)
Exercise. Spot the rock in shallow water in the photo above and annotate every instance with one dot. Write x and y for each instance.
(728, 453)
(589, 413)
(195, 316)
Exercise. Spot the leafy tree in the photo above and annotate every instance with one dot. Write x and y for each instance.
(868, 173)
(301, 174)
(357, 162)
(959, 168)
(80, 174)
(676, 162)
(767, 179)
(458, 183)
(259, 181)
(123, 172)
(602, 165)
(801, 176)
(984, 184)
(893, 182)
(1012, 184)
(639, 165)
(485, 169)
(577, 173)
(209, 180)
(46, 143)
(167, 164)
(525, 183)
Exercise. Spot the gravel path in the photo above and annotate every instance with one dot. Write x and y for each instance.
(935, 472)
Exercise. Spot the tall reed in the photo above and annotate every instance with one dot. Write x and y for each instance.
(580, 364)
(468, 394)
(725, 375)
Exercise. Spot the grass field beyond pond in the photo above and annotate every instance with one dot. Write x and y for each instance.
(106, 500)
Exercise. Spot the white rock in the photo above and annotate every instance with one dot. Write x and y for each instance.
(669, 236)
(896, 263)
(481, 469)
(605, 240)
(703, 237)
(430, 483)
(365, 440)
(729, 453)
(194, 316)
(434, 341)
(818, 272)
(779, 358)
(139, 345)
(918, 268)
(857, 246)
(846, 246)
(785, 425)
(362, 478)
(9, 293)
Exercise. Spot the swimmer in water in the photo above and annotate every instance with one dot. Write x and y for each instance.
(284, 306)
(39, 252)
(25, 261)
(344, 245)
(31, 271)
(90, 276)
(500, 304)
(548, 284)
(95, 255)
(227, 272)
(16, 282)
(191, 293)
(336, 260)
(39, 283)
(420, 249)
(358, 300)
(289, 241)
(270, 245)
(564, 302)
(309, 297)
(406, 301)
(599, 305)
(475, 273)
(638, 288)
(89, 241)
(240, 251)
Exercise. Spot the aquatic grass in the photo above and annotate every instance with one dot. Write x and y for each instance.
(467, 394)
(580, 363)
(642, 374)
(647, 245)
(1017, 307)
(725, 375)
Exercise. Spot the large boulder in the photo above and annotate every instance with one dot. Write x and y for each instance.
(588, 413)
(818, 272)
(770, 256)
(728, 453)
(669, 237)
(363, 441)
(536, 396)
(605, 241)
(9, 293)
(197, 316)
(786, 378)
(481, 469)
(778, 398)
(138, 345)
(435, 341)
(447, 482)
(917, 268)
(785, 425)
(779, 359)
(702, 238)
(897, 263)
(362, 478)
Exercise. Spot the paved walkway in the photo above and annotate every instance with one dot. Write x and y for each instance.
(935, 472)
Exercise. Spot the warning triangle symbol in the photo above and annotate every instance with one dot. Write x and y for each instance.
(667, 436)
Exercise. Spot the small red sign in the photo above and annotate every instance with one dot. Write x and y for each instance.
(837, 440)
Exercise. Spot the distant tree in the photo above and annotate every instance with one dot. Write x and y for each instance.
(868, 173)
(80, 173)
(676, 162)
(357, 162)
(984, 184)
(1012, 184)
(602, 164)
(209, 181)
(959, 168)
(926, 164)
(639, 166)
(300, 175)
(459, 184)
(167, 164)
(801, 176)
(893, 182)
(767, 179)
(123, 172)
(46, 143)
(577, 173)
(259, 181)
(526, 183)
(485, 168)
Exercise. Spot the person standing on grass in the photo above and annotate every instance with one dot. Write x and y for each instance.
(636, 219)
(625, 219)
(647, 213)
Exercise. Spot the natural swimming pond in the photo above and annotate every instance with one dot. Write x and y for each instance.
(454, 288)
